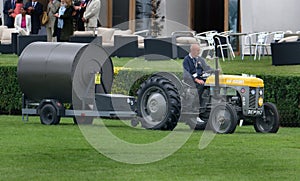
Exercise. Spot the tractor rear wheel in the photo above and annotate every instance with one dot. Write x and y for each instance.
(269, 122)
(223, 119)
(158, 104)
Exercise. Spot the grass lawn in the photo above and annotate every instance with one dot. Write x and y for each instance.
(237, 66)
(33, 151)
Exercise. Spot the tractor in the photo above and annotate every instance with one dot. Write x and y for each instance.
(164, 99)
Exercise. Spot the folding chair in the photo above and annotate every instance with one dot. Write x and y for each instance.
(208, 38)
(249, 43)
(225, 44)
(261, 44)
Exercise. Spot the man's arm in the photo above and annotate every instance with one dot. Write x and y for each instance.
(187, 75)
(205, 66)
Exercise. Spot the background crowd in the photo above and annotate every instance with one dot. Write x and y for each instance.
(63, 17)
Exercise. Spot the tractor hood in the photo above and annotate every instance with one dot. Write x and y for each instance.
(235, 80)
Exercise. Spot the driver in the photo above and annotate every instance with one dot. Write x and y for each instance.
(193, 68)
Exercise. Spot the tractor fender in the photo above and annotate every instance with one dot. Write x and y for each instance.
(173, 78)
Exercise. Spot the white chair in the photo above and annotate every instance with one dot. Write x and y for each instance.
(261, 44)
(249, 43)
(258, 41)
(277, 35)
(225, 44)
(208, 38)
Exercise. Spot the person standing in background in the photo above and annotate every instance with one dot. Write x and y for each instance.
(63, 27)
(18, 6)
(52, 8)
(80, 7)
(35, 10)
(8, 10)
(23, 22)
(91, 15)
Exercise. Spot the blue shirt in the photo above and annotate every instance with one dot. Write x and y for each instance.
(60, 22)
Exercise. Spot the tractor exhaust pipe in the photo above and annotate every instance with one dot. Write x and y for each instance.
(217, 78)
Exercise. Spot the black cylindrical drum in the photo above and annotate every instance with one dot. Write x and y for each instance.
(55, 70)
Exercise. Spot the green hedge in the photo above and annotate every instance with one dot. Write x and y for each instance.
(11, 96)
(281, 90)
(285, 93)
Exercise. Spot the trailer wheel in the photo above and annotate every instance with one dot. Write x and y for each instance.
(158, 104)
(48, 115)
(269, 122)
(223, 119)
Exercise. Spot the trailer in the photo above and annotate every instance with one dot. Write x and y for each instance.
(69, 80)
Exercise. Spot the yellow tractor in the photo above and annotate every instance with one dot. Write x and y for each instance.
(163, 100)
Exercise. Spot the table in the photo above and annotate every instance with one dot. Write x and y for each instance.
(160, 48)
(286, 53)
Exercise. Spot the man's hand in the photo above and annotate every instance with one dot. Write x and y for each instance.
(83, 20)
(77, 7)
(199, 81)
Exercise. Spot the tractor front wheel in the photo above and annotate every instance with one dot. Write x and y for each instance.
(223, 119)
(269, 122)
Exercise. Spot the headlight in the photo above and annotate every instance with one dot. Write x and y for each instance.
(261, 92)
(243, 90)
(253, 92)
(260, 101)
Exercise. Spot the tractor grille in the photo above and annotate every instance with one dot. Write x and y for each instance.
(252, 99)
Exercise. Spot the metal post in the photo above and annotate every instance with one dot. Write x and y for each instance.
(217, 78)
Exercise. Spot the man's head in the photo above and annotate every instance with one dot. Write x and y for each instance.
(195, 50)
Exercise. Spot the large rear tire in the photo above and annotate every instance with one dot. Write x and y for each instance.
(158, 104)
(223, 119)
(269, 122)
(48, 115)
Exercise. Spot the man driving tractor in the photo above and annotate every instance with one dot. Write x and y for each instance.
(193, 68)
